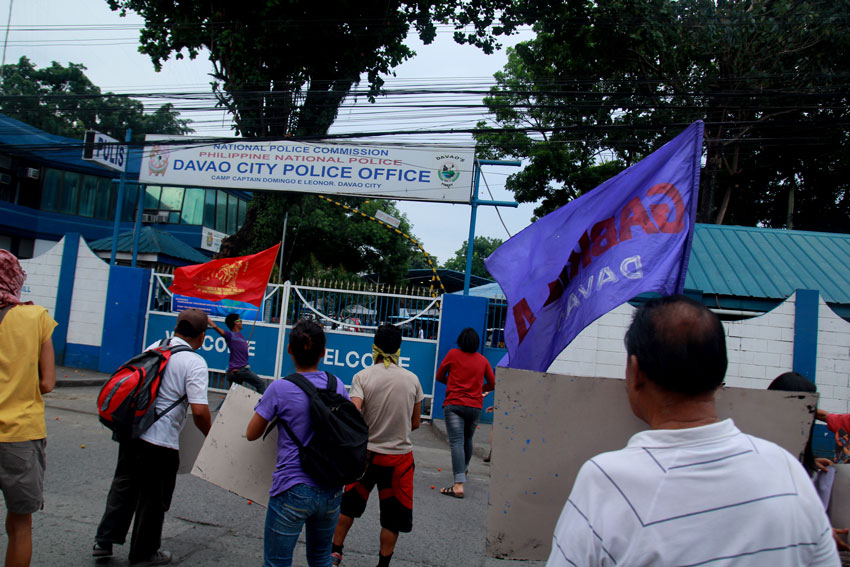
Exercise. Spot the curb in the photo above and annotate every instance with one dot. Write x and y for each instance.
(79, 382)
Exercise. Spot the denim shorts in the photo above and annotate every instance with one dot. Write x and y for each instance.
(22, 475)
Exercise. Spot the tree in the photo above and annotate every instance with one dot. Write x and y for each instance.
(283, 68)
(63, 101)
(358, 245)
(484, 246)
(606, 82)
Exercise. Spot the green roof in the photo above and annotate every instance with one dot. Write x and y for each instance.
(152, 241)
(769, 264)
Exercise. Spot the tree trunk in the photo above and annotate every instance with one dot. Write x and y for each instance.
(789, 218)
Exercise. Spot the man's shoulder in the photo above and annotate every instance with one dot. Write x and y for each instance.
(187, 360)
(25, 312)
(403, 375)
(377, 372)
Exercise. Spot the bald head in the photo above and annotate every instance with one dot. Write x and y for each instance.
(680, 345)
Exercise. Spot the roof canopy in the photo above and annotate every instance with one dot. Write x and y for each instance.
(152, 241)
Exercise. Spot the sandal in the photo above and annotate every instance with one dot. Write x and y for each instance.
(450, 491)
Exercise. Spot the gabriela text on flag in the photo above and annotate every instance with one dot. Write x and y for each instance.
(628, 236)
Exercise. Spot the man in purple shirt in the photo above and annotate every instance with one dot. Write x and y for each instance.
(238, 370)
(297, 501)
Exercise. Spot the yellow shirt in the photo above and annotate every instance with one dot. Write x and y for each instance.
(22, 332)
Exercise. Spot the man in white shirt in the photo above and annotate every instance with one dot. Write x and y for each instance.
(692, 490)
(147, 467)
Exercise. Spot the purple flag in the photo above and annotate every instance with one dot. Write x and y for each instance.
(630, 235)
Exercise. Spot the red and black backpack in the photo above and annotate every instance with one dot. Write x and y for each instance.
(126, 402)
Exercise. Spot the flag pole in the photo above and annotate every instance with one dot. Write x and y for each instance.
(257, 316)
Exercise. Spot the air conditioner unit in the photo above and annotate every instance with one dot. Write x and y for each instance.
(30, 172)
(148, 218)
(5, 178)
(162, 217)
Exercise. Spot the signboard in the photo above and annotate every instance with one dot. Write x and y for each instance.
(431, 173)
(261, 348)
(104, 150)
(389, 219)
(211, 239)
(347, 354)
(221, 308)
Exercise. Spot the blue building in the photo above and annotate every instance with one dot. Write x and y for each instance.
(48, 190)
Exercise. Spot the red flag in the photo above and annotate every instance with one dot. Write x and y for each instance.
(243, 278)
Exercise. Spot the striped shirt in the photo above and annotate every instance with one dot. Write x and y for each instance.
(707, 495)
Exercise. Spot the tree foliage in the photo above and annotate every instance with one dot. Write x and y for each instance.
(283, 69)
(63, 101)
(326, 240)
(606, 82)
(484, 246)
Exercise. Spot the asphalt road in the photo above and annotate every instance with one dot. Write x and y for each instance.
(211, 527)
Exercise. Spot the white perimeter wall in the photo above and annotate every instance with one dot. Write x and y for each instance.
(43, 277)
(759, 349)
(88, 301)
(833, 364)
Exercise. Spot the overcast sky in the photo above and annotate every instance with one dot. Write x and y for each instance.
(87, 32)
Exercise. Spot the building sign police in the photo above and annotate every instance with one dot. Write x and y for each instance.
(427, 173)
(104, 151)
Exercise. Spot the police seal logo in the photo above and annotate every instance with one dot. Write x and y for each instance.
(449, 172)
(158, 161)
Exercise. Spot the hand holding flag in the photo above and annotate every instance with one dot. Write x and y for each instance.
(630, 235)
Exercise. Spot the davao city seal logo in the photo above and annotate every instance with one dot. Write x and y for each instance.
(449, 169)
(158, 161)
(449, 172)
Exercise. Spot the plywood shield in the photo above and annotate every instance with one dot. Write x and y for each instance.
(227, 459)
(547, 425)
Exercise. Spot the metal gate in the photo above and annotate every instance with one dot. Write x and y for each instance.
(349, 318)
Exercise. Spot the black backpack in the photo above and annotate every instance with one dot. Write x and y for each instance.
(336, 454)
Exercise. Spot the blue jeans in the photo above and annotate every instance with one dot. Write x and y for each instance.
(288, 512)
(461, 422)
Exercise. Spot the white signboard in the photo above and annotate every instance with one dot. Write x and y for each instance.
(389, 219)
(211, 239)
(429, 173)
(104, 150)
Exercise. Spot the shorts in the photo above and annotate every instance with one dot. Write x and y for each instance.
(394, 476)
(22, 475)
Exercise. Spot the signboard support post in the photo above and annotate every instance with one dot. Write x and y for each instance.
(138, 227)
(474, 202)
(118, 202)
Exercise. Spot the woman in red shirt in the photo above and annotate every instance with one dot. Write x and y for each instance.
(463, 371)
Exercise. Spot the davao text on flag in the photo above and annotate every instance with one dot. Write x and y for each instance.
(243, 278)
(630, 235)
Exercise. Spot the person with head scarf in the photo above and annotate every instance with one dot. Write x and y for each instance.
(27, 371)
(390, 398)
